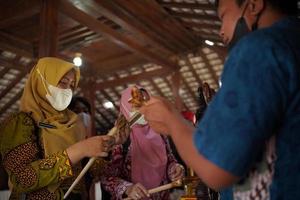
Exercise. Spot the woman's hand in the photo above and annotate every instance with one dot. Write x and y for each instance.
(97, 146)
(176, 172)
(137, 191)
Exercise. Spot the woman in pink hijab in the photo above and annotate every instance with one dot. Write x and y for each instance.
(143, 162)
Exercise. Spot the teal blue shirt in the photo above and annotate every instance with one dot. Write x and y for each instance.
(259, 98)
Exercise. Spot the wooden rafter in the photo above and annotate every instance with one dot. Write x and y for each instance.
(106, 96)
(121, 62)
(187, 5)
(11, 102)
(16, 45)
(161, 22)
(104, 117)
(13, 64)
(125, 19)
(190, 91)
(190, 65)
(13, 12)
(191, 24)
(194, 16)
(134, 78)
(3, 72)
(156, 88)
(113, 35)
(12, 84)
(209, 67)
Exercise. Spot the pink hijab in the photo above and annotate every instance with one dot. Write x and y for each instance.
(147, 148)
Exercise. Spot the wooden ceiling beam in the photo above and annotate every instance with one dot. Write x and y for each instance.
(200, 25)
(156, 88)
(11, 102)
(190, 65)
(16, 65)
(209, 66)
(121, 62)
(194, 16)
(16, 45)
(12, 84)
(104, 117)
(16, 11)
(125, 19)
(221, 51)
(106, 96)
(200, 6)
(48, 38)
(3, 72)
(93, 24)
(133, 79)
(78, 43)
(214, 37)
(161, 22)
(190, 91)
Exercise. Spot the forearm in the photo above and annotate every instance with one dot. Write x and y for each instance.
(75, 153)
(212, 175)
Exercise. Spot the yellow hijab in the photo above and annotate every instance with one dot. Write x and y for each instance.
(34, 101)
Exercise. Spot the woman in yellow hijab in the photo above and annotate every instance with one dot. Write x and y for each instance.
(42, 145)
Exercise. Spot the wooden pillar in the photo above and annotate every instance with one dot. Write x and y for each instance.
(48, 28)
(89, 92)
(175, 89)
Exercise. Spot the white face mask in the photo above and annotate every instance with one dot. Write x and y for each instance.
(140, 121)
(58, 98)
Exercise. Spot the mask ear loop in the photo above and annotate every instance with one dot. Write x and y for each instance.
(255, 24)
(243, 13)
(43, 80)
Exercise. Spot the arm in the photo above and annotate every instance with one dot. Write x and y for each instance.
(243, 115)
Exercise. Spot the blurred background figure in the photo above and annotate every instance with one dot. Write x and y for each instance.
(82, 108)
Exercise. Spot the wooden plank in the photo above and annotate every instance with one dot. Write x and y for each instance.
(125, 19)
(15, 65)
(113, 35)
(200, 6)
(3, 72)
(200, 25)
(12, 84)
(105, 118)
(13, 12)
(11, 102)
(152, 14)
(194, 16)
(121, 62)
(209, 67)
(133, 79)
(16, 45)
(48, 28)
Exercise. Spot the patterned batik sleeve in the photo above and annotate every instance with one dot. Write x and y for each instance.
(21, 157)
(113, 177)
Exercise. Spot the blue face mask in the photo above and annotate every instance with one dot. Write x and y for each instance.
(241, 29)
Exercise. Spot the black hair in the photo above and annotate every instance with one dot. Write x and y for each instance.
(288, 7)
(82, 100)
